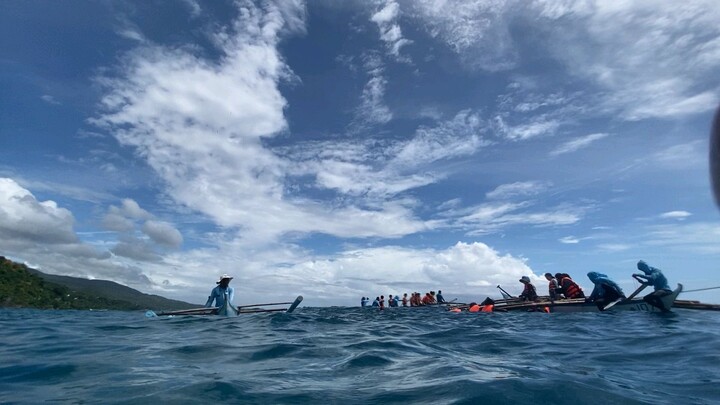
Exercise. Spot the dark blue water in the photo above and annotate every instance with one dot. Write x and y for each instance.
(361, 356)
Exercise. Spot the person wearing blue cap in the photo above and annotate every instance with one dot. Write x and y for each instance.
(654, 277)
(605, 291)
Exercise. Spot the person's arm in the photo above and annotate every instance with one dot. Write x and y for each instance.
(594, 294)
(211, 298)
(231, 294)
(643, 279)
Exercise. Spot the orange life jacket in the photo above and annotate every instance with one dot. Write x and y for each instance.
(570, 288)
(487, 308)
(474, 308)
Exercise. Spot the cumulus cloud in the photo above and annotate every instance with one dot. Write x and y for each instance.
(24, 218)
(471, 269)
(163, 233)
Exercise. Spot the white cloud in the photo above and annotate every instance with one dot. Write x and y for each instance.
(373, 109)
(571, 240)
(390, 32)
(614, 247)
(193, 6)
(644, 60)
(199, 124)
(536, 126)
(517, 189)
(472, 269)
(23, 219)
(477, 32)
(695, 237)
(494, 217)
(683, 155)
(49, 99)
(648, 59)
(679, 215)
(577, 143)
(460, 136)
(162, 233)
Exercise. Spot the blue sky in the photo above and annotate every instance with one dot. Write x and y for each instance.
(357, 148)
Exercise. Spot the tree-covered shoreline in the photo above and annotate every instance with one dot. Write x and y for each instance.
(22, 287)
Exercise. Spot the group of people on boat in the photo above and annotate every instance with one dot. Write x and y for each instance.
(414, 300)
(605, 293)
(605, 290)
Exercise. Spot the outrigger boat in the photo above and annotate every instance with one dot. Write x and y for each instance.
(579, 305)
(229, 310)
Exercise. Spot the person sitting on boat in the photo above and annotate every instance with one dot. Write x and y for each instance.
(405, 300)
(529, 293)
(605, 291)
(397, 300)
(654, 277)
(568, 287)
(440, 298)
(553, 286)
(218, 293)
(376, 303)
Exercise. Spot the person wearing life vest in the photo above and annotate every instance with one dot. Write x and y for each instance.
(529, 293)
(553, 286)
(569, 288)
(488, 305)
(654, 277)
(427, 299)
(605, 291)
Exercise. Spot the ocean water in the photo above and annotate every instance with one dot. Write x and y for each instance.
(360, 356)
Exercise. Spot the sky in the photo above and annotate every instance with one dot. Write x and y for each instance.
(337, 150)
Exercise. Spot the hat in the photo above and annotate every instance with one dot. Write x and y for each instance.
(223, 277)
(525, 279)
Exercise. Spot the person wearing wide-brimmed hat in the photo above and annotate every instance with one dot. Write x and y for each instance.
(529, 293)
(218, 293)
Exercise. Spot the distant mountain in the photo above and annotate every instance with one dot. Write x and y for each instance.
(21, 286)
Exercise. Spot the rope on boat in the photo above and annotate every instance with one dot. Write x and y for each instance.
(702, 289)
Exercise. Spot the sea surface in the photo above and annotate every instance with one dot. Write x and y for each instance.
(342, 355)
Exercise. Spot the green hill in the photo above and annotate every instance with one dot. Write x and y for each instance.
(21, 286)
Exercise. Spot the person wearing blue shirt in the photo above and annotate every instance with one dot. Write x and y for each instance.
(605, 291)
(440, 298)
(654, 277)
(218, 293)
(376, 303)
